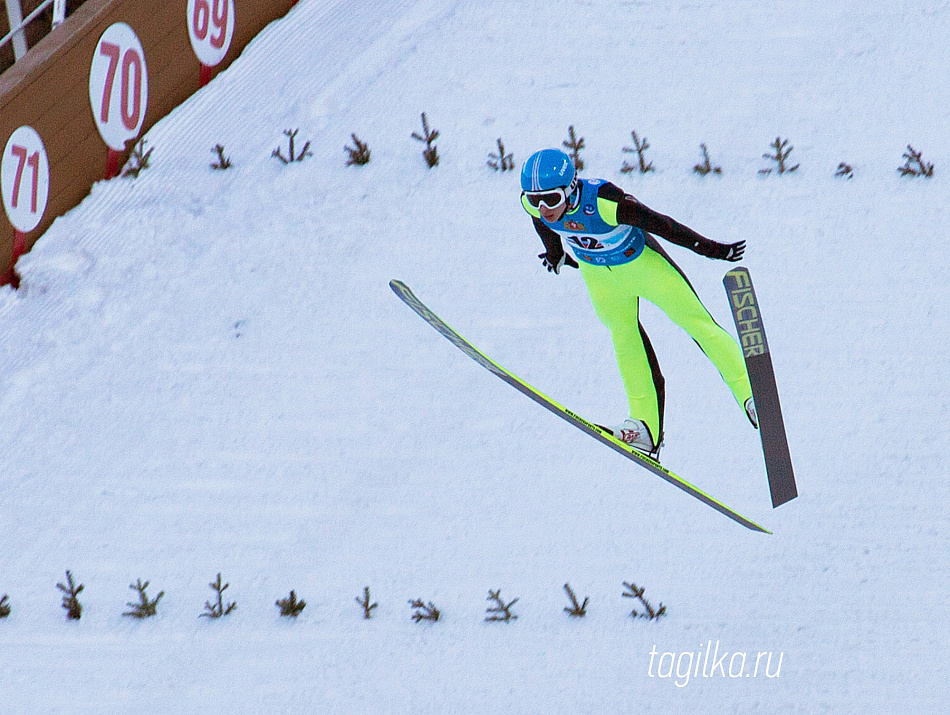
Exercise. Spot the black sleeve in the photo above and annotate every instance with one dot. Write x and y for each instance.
(633, 213)
(552, 241)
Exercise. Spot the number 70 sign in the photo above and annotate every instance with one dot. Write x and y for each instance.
(118, 85)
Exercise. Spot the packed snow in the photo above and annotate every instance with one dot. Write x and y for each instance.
(206, 372)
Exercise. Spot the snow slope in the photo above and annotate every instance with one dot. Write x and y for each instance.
(207, 372)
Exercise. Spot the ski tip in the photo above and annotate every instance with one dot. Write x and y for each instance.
(401, 289)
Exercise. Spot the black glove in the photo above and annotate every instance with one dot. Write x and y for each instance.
(735, 251)
(555, 263)
(731, 252)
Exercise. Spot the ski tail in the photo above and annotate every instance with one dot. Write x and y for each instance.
(755, 349)
(600, 434)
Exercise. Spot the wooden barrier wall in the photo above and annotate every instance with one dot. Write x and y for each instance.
(34, 31)
(48, 90)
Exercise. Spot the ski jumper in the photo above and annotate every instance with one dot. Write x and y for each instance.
(609, 233)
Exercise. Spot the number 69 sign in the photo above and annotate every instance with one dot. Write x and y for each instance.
(118, 85)
(24, 179)
(210, 28)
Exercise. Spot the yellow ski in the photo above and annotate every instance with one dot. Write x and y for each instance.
(598, 433)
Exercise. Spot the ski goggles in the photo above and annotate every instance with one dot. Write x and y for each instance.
(551, 199)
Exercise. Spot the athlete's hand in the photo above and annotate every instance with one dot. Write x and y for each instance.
(555, 263)
(733, 251)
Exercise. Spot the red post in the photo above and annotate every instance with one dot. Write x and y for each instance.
(19, 247)
(112, 164)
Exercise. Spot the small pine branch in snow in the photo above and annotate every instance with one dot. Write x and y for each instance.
(290, 606)
(649, 612)
(223, 162)
(500, 611)
(428, 137)
(359, 154)
(576, 609)
(574, 144)
(424, 611)
(780, 157)
(367, 603)
(70, 601)
(292, 154)
(138, 161)
(914, 166)
(4, 606)
(640, 148)
(845, 171)
(706, 167)
(501, 161)
(218, 608)
(145, 608)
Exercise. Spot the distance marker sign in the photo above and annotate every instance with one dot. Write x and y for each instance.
(210, 29)
(24, 178)
(118, 86)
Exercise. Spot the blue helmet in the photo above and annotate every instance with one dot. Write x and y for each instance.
(547, 169)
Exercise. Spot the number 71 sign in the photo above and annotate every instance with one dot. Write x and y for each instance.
(24, 179)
